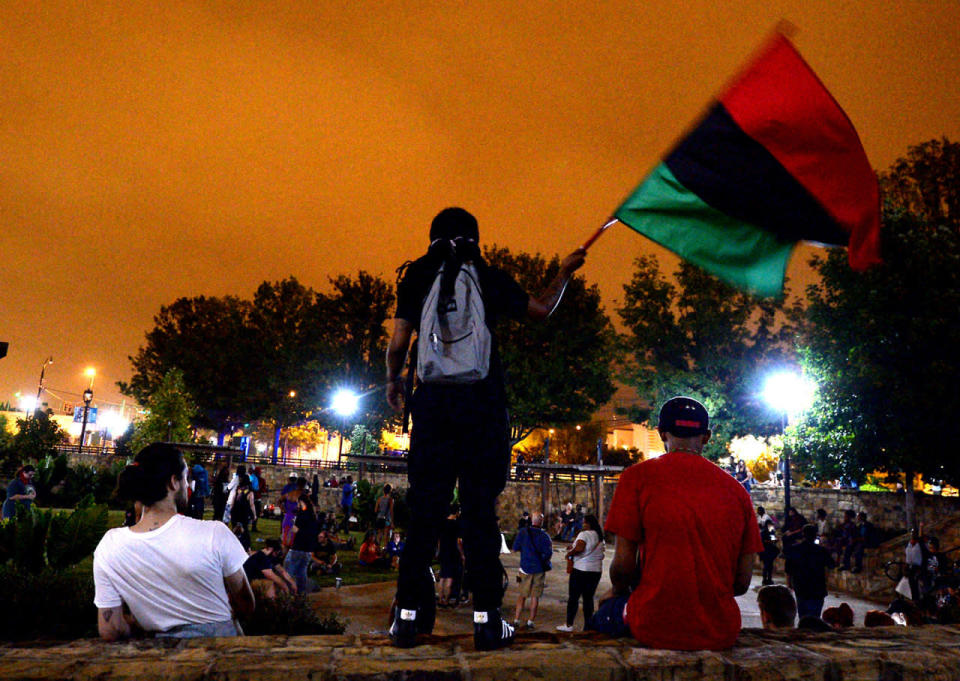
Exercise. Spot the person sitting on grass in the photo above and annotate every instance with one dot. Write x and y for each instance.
(347, 544)
(370, 555)
(179, 577)
(394, 549)
(778, 610)
(324, 560)
(265, 575)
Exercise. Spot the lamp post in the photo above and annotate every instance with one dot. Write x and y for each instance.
(87, 398)
(345, 404)
(43, 369)
(790, 394)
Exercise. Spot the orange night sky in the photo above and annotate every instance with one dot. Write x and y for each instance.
(157, 150)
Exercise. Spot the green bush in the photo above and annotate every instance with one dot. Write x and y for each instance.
(49, 604)
(291, 615)
(38, 539)
(63, 486)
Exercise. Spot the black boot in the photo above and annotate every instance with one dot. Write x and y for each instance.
(403, 631)
(490, 631)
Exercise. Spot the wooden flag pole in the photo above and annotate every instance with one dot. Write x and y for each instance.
(596, 235)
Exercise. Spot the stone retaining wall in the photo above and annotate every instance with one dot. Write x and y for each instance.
(884, 509)
(888, 654)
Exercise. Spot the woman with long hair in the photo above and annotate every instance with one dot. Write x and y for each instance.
(587, 556)
(305, 530)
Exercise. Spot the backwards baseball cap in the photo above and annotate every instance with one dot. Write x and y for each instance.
(684, 417)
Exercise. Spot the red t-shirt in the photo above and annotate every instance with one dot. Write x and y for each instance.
(693, 521)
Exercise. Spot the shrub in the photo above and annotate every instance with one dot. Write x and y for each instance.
(63, 486)
(38, 539)
(291, 615)
(50, 604)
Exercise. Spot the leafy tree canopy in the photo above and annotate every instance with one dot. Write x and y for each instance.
(882, 347)
(36, 437)
(926, 183)
(702, 338)
(558, 371)
(170, 411)
(275, 358)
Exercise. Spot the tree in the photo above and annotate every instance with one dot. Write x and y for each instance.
(208, 341)
(362, 441)
(358, 310)
(170, 413)
(293, 352)
(559, 371)
(926, 183)
(881, 346)
(702, 338)
(37, 437)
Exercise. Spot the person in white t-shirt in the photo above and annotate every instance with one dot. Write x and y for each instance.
(179, 577)
(587, 554)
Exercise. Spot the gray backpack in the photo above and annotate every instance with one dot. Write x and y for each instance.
(454, 344)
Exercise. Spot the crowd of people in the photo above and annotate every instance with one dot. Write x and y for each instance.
(928, 588)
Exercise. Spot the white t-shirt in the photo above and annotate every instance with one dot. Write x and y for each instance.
(170, 576)
(591, 558)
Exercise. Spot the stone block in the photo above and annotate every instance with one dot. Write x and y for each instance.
(545, 661)
(775, 662)
(363, 668)
(647, 664)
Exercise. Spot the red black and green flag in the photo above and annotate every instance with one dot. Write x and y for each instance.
(774, 161)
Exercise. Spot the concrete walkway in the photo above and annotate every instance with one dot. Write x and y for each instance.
(366, 606)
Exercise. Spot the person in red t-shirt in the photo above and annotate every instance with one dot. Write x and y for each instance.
(687, 528)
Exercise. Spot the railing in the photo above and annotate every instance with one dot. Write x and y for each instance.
(86, 449)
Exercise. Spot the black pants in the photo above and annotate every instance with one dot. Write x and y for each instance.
(767, 557)
(459, 433)
(582, 585)
(195, 507)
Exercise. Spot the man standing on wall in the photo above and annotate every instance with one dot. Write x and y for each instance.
(460, 424)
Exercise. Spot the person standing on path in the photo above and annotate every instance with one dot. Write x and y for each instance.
(535, 549)
(806, 565)
(587, 554)
(460, 421)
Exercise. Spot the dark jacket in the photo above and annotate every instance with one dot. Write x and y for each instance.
(807, 565)
(535, 550)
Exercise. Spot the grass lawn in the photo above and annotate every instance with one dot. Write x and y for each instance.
(269, 528)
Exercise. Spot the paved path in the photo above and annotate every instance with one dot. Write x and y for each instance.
(366, 606)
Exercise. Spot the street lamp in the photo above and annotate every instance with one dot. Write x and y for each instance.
(87, 398)
(790, 394)
(345, 403)
(43, 369)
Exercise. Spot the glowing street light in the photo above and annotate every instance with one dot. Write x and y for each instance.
(790, 394)
(28, 403)
(345, 403)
